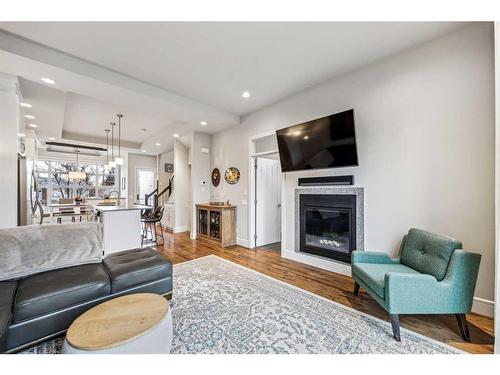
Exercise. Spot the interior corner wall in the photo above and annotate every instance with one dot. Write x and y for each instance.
(200, 174)
(182, 188)
(9, 122)
(425, 133)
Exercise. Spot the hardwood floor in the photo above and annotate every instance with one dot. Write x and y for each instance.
(179, 248)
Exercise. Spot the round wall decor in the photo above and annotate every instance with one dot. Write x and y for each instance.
(232, 175)
(215, 177)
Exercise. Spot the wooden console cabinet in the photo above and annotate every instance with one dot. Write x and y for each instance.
(217, 223)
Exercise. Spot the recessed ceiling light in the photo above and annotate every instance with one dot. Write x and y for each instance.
(31, 117)
(144, 130)
(245, 94)
(158, 144)
(33, 125)
(143, 150)
(49, 81)
(52, 139)
(21, 135)
(203, 123)
(25, 105)
(176, 135)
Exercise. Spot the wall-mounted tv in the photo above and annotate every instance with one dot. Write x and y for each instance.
(327, 142)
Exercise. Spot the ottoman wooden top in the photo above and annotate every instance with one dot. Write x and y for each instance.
(117, 321)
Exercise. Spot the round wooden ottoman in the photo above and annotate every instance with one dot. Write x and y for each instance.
(134, 324)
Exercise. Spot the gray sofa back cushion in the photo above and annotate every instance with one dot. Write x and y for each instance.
(38, 248)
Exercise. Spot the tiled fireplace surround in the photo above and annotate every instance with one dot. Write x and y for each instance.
(358, 192)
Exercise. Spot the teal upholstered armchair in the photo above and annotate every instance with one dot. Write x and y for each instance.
(431, 276)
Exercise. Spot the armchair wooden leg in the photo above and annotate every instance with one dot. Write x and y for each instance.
(356, 288)
(395, 326)
(463, 326)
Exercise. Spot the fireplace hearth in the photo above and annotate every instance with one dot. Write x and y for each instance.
(330, 221)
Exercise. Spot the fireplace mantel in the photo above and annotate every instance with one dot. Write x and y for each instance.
(332, 190)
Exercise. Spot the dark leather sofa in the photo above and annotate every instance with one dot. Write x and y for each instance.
(43, 305)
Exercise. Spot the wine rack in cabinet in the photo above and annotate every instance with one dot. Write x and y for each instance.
(217, 223)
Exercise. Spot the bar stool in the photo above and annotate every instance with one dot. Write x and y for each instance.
(151, 222)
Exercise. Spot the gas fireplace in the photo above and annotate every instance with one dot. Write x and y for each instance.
(328, 225)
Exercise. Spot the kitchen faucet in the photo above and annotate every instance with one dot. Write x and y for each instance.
(117, 195)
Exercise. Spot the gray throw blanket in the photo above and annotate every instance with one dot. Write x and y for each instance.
(37, 248)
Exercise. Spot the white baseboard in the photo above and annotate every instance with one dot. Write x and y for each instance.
(243, 242)
(180, 229)
(312, 260)
(483, 307)
(192, 235)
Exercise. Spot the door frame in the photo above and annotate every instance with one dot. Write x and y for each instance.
(136, 179)
(252, 155)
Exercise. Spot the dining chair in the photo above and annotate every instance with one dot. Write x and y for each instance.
(66, 211)
(43, 215)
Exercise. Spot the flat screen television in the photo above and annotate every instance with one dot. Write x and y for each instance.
(327, 142)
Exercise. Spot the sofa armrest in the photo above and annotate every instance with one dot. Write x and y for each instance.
(372, 257)
(409, 293)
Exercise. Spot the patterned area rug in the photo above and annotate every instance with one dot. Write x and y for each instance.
(222, 307)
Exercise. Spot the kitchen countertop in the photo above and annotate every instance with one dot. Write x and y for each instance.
(105, 208)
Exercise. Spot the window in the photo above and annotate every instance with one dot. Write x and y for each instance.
(54, 183)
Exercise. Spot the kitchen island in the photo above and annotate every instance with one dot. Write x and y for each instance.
(121, 227)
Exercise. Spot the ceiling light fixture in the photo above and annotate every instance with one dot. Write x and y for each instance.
(203, 123)
(176, 135)
(112, 162)
(77, 175)
(25, 105)
(245, 94)
(143, 150)
(119, 159)
(49, 81)
(52, 139)
(144, 130)
(31, 117)
(21, 135)
(33, 125)
(158, 144)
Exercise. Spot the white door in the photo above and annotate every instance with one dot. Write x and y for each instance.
(145, 183)
(268, 196)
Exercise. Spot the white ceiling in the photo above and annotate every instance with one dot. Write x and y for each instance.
(214, 62)
(48, 108)
(89, 117)
(167, 77)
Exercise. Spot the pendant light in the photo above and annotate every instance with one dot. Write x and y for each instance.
(119, 159)
(77, 175)
(107, 149)
(112, 163)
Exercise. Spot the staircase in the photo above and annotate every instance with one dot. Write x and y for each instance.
(155, 195)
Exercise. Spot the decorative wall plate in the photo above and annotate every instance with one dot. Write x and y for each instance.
(232, 175)
(215, 177)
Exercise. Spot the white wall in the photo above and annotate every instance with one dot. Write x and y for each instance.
(182, 188)
(9, 120)
(200, 174)
(163, 177)
(425, 133)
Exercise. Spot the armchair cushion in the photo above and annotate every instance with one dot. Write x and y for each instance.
(373, 274)
(428, 253)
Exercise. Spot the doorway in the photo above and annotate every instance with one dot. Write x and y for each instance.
(267, 202)
(145, 183)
